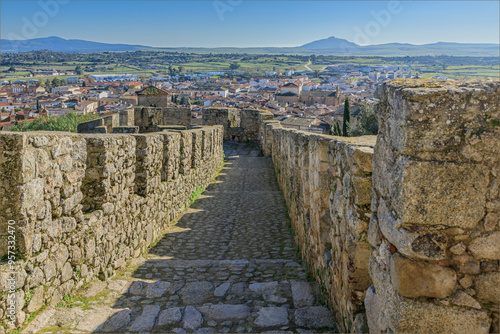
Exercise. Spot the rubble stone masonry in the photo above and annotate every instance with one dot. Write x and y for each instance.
(85, 204)
(402, 228)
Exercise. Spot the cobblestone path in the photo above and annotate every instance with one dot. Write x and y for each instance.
(228, 266)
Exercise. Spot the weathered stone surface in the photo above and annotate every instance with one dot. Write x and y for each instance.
(196, 292)
(462, 299)
(93, 320)
(95, 288)
(404, 315)
(157, 289)
(272, 316)
(486, 247)
(117, 321)
(458, 249)
(119, 286)
(192, 318)
(221, 289)
(226, 312)
(488, 287)
(314, 317)
(264, 288)
(374, 315)
(433, 280)
(40, 321)
(170, 316)
(37, 299)
(137, 288)
(302, 294)
(456, 202)
(359, 325)
(490, 221)
(147, 319)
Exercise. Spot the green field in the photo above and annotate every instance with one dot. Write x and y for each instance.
(251, 64)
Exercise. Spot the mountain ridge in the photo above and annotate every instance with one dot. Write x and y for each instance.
(328, 46)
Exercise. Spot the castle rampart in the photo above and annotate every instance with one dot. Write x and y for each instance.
(85, 204)
(414, 234)
(400, 229)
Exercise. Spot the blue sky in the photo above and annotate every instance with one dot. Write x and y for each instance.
(252, 23)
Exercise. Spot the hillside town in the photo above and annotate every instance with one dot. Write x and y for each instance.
(307, 100)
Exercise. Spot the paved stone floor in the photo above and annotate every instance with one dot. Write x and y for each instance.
(229, 265)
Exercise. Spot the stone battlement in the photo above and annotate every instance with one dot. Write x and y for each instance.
(403, 225)
(83, 205)
(400, 229)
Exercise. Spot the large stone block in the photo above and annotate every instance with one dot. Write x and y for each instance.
(434, 193)
(487, 247)
(440, 119)
(407, 315)
(420, 279)
(488, 287)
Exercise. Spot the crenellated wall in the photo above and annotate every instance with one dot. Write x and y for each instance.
(139, 120)
(84, 205)
(327, 184)
(434, 228)
(400, 229)
(412, 237)
(239, 125)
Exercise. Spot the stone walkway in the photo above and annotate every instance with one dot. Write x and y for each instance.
(228, 266)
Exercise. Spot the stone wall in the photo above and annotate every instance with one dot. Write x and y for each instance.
(227, 117)
(239, 125)
(158, 101)
(414, 234)
(177, 116)
(84, 205)
(327, 185)
(146, 119)
(434, 228)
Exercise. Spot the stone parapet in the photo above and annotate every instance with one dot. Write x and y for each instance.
(84, 205)
(434, 227)
(327, 186)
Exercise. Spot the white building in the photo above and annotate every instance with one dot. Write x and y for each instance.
(291, 88)
(221, 92)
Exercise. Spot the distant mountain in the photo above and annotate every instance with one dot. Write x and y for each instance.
(327, 46)
(62, 45)
(330, 43)
(339, 46)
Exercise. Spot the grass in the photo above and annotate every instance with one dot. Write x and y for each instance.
(196, 194)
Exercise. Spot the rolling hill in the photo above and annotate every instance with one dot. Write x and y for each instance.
(327, 46)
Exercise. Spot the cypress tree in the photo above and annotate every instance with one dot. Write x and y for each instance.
(347, 119)
(337, 126)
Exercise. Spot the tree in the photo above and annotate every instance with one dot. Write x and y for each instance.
(184, 101)
(346, 125)
(68, 123)
(181, 69)
(55, 82)
(234, 66)
(316, 73)
(78, 70)
(367, 122)
(11, 69)
(37, 104)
